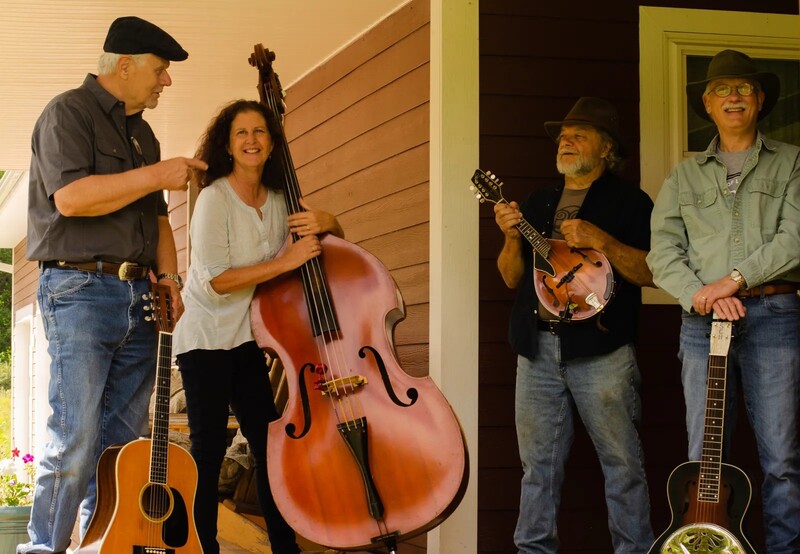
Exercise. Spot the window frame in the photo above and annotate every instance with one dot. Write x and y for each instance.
(666, 37)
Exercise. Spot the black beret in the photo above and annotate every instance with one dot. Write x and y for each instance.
(133, 35)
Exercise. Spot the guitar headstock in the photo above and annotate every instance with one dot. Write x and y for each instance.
(721, 333)
(161, 304)
(488, 186)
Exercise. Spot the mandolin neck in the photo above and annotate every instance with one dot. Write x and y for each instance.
(537, 241)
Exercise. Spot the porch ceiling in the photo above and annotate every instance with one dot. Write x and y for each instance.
(47, 46)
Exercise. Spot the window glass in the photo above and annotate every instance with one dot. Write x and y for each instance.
(783, 122)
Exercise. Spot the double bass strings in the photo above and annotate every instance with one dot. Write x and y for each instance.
(346, 406)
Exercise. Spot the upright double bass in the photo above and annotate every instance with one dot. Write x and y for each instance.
(364, 455)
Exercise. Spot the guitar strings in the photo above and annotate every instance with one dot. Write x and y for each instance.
(709, 486)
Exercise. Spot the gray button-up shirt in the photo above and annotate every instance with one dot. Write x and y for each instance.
(84, 132)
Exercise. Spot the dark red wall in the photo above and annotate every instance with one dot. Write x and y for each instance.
(536, 59)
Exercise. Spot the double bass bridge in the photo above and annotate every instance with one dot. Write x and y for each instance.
(336, 386)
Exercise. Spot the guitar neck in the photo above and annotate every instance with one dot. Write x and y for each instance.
(160, 435)
(711, 460)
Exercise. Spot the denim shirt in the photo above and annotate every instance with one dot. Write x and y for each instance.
(701, 231)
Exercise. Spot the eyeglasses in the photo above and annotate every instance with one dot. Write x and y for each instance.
(138, 157)
(743, 89)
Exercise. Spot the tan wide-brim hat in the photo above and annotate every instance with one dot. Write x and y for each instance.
(734, 64)
(595, 112)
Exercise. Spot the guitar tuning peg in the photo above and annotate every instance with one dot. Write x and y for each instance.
(149, 318)
(147, 307)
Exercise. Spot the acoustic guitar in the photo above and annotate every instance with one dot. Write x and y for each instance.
(146, 488)
(572, 283)
(709, 499)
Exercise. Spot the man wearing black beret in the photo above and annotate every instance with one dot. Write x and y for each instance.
(98, 225)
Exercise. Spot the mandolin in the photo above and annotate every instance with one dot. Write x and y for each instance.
(571, 283)
(708, 499)
(146, 488)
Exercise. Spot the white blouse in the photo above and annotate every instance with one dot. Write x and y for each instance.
(225, 233)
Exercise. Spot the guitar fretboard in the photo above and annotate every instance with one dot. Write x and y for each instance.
(711, 459)
(160, 437)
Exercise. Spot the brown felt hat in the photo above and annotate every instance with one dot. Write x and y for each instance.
(133, 35)
(734, 64)
(591, 111)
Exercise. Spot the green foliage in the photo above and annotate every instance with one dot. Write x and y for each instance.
(16, 468)
(5, 420)
(5, 371)
(5, 314)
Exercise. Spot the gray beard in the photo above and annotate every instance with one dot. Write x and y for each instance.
(575, 168)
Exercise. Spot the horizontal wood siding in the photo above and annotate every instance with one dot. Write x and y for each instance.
(179, 219)
(536, 59)
(26, 279)
(358, 132)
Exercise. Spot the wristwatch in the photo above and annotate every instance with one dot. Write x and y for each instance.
(172, 277)
(738, 278)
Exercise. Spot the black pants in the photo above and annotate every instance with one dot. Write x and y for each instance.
(213, 379)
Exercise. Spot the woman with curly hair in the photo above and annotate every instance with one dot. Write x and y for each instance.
(239, 226)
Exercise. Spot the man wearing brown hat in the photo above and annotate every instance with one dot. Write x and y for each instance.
(98, 225)
(588, 366)
(726, 240)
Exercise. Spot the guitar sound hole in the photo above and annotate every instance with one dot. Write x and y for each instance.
(156, 502)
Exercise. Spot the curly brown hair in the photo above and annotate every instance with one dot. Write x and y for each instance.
(214, 145)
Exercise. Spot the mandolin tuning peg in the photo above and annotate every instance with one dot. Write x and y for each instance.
(480, 198)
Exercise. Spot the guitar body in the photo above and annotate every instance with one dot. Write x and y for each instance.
(135, 516)
(700, 527)
(146, 488)
(572, 284)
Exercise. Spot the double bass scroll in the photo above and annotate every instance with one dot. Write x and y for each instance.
(364, 455)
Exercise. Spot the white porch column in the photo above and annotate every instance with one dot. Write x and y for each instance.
(454, 242)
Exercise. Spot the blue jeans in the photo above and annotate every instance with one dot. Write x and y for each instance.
(101, 379)
(764, 361)
(605, 392)
(213, 379)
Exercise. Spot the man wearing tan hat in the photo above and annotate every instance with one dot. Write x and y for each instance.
(726, 241)
(588, 366)
(98, 225)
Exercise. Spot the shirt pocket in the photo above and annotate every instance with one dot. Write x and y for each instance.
(109, 158)
(764, 204)
(700, 211)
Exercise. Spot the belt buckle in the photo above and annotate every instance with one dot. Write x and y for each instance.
(124, 269)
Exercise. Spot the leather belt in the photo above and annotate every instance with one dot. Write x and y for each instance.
(768, 289)
(126, 271)
(551, 326)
